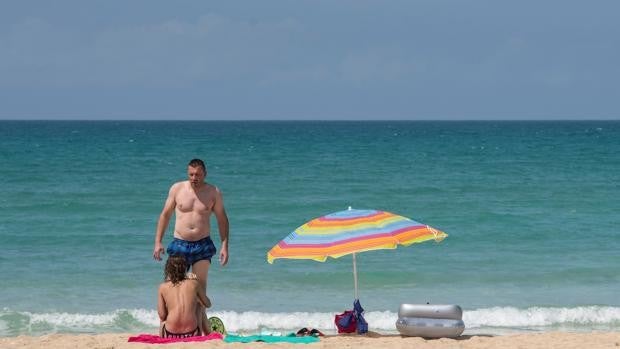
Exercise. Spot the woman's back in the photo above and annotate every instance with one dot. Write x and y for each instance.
(181, 303)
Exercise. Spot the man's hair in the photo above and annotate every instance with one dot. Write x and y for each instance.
(175, 269)
(196, 163)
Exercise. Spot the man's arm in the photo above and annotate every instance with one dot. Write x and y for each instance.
(222, 224)
(163, 221)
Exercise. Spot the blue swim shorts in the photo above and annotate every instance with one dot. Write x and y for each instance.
(193, 251)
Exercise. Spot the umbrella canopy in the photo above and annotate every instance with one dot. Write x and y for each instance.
(351, 231)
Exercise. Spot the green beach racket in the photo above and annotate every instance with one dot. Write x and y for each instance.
(217, 325)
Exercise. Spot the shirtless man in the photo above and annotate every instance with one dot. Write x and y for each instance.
(193, 201)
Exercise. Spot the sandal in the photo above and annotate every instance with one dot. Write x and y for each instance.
(316, 333)
(302, 332)
(312, 332)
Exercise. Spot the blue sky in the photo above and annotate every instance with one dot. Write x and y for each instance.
(246, 60)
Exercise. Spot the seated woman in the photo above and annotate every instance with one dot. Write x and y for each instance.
(177, 302)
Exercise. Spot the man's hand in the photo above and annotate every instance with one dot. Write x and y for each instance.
(224, 256)
(158, 251)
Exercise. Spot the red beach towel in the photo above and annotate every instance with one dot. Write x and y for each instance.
(152, 339)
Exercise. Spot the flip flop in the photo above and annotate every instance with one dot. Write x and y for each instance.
(217, 325)
(309, 332)
(316, 333)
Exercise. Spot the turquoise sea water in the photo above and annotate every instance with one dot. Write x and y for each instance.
(531, 209)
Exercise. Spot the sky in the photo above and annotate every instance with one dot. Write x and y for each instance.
(301, 59)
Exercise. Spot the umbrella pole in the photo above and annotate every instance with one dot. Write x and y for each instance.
(355, 276)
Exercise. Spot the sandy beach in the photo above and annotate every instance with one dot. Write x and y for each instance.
(531, 340)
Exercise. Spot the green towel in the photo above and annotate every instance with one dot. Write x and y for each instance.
(269, 339)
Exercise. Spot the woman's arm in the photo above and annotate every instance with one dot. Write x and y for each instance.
(162, 310)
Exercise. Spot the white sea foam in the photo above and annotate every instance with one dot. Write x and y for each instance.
(539, 316)
(585, 317)
(147, 317)
(73, 320)
(509, 317)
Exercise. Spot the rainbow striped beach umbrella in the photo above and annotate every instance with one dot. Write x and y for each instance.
(350, 232)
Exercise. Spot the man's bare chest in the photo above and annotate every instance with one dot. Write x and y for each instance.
(188, 202)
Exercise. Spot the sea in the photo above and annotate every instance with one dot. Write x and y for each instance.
(531, 209)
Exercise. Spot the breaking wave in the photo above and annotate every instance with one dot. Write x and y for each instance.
(14, 323)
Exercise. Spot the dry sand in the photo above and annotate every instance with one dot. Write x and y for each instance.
(546, 340)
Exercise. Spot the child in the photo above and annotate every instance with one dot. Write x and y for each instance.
(178, 302)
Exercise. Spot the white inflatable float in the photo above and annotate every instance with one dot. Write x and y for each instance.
(430, 320)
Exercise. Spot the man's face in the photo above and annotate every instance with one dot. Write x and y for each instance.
(196, 175)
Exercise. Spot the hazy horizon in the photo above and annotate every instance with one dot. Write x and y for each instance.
(311, 120)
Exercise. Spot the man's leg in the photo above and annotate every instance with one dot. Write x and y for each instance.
(201, 269)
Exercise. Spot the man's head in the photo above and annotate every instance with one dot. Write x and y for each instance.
(175, 269)
(196, 172)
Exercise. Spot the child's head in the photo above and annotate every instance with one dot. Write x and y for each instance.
(175, 269)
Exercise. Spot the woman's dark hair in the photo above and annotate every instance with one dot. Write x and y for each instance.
(176, 266)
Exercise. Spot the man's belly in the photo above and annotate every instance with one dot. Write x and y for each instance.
(191, 226)
(190, 234)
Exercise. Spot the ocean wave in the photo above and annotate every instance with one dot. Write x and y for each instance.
(139, 320)
(542, 316)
